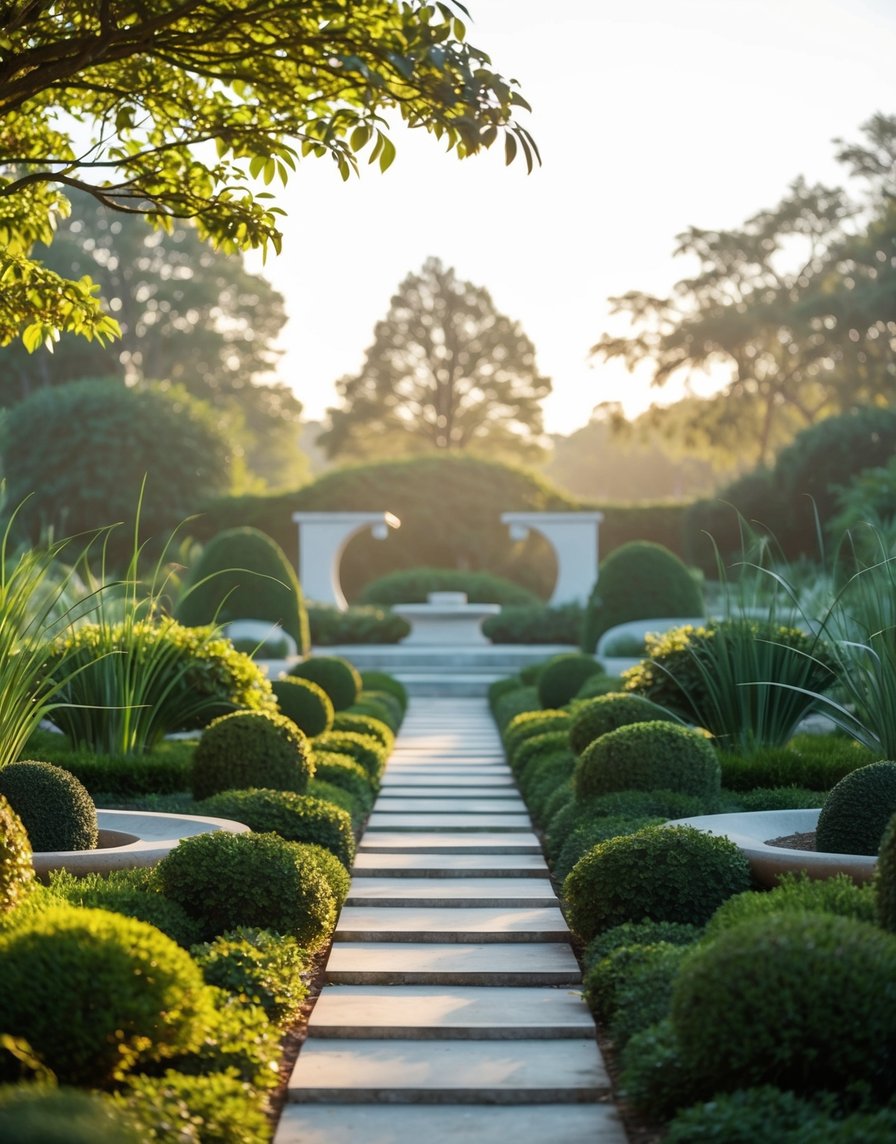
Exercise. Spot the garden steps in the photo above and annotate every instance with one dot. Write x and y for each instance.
(452, 1007)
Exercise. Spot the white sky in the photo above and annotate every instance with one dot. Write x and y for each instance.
(651, 116)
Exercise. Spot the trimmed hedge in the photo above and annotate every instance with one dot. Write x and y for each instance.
(364, 749)
(795, 893)
(53, 805)
(382, 681)
(16, 870)
(250, 749)
(609, 712)
(649, 756)
(338, 677)
(855, 813)
(535, 624)
(563, 675)
(413, 585)
(264, 967)
(306, 703)
(331, 626)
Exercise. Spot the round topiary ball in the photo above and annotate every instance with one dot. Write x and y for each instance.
(806, 1004)
(38, 1114)
(608, 713)
(251, 749)
(365, 725)
(16, 869)
(649, 756)
(230, 880)
(95, 994)
(375, 681)
(527, 724)
(661, 873)
(306, 703)
(562, 676)
(335, 675)
(296, 817)
(857, 810)
(364, 749)
(53, 805)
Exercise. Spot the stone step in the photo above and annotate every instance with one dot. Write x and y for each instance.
(450, 923)
(430, 842)
(488, 823)
(456, 892)
(394, 658)
(421, 781)
(448, 1072)
(452, 963)
(458, 1012)
(470, 772)
(411, 865)
(446, 1124)
(448, 803)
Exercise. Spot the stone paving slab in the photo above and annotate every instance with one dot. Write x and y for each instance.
(443, 1012)
(472, 773)
(448, 804)
(490, 823)
(444, 1124)
(440, 924)
(429, 842)
(452, 963)
(473, 892)
(421, 779)
(412, 865)
(440, 1072)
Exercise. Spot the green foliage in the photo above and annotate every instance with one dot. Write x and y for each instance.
(653, 1077)
(230, 880)
(535, 624)
(382, 681)
(342, 771)
(673, 874)
(597, 685)
(449, 508)
(305, 702)
(366, 725)
(123, 894)
(211, 1109)
(296, 817)
(856, 812)
(338, 796)
(250, 748)
(514, 702)
(242, 574)
(123, 993)
(621, 805)
(382, 705)
(815, 762)
(331, 626)
(886, 878)
(51, 442)
(780, 798)
(40, 1114)
(364, 749)
(563, 675)
(609, 712)
(749, 682)
(638, 933)
(587, 833)
(832, 976)
(164, 771)
(53, 805)
(530, 723)
(339, 678)
(656, 755)
(795, 893)
(139, 680)
(412, 586)
(639, 581)
(542, 775)
(538, 747)
(258, 966)
(631, 988)
(16, 870)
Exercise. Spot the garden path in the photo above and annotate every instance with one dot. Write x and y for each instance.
(451, 1009)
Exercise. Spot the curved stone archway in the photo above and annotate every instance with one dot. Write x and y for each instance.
(323, 537)
(574, 538)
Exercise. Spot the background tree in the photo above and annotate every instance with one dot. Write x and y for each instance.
(187, 104)
(189, 314)
(446, 371)
(795, 308)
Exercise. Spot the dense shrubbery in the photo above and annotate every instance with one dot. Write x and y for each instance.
(649, 756)
(815, 762)
(306, 703)
(356, 625)
(166, 770)
(339, 678)
(250, 749)
(562, 676)
(343, 771)
(264, 967)
(631, 988)
(886, 878)
(639, 581)
(413, 585)
(16, 870)
(365, 725)
(856, 812)
(609, 712)
(364, 749)
(795, 893)
(39, 1114)
(219, 1109)
(535, 624)
(528, 724)
(242, 574)
(382, 705)
(53, 805)
(381, 681)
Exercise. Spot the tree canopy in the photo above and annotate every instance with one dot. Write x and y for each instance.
(176, 109)
(794, 309)
(446, 371)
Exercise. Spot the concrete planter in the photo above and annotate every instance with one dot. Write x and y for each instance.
(750, 832)
(131, 838)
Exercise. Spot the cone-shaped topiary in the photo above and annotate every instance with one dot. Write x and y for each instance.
(607, 713)
(563, 675)
(639, 581)
(16, 870)
(856, 812)
(53, 805)
(95, 994)
(664, 873)
(649, 756)
(242, 574)
(831, 976)
(306, 703)
(251, 749)
(338, 677)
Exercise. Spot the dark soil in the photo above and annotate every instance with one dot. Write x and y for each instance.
(797, 841)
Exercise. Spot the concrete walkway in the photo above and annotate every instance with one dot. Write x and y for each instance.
(451, 1010)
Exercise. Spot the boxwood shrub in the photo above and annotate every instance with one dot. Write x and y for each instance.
(639, 933)
(529, 723)
(514, 702)
(259, 965)
(413, 585)
(649, 756)
(794, 893)
(631, 988)
(366, 725)
(250, 749)
(305, 702)
(666, 873)
(39, 1114)
(589, 833)
(342, 771)
(221, 1109)
(563, 675)
(53, 805)
(338, 677)
(382, 681)
(855, 813)
(364, 749)
(535, 624)
(16, 870)
(609, 712)
(358, 624)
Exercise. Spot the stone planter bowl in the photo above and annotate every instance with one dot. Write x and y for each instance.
(130, 838)
(751, 831)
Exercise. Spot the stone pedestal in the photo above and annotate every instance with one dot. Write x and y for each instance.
(446, 620)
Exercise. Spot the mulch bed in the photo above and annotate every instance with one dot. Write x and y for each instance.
(798, 841)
